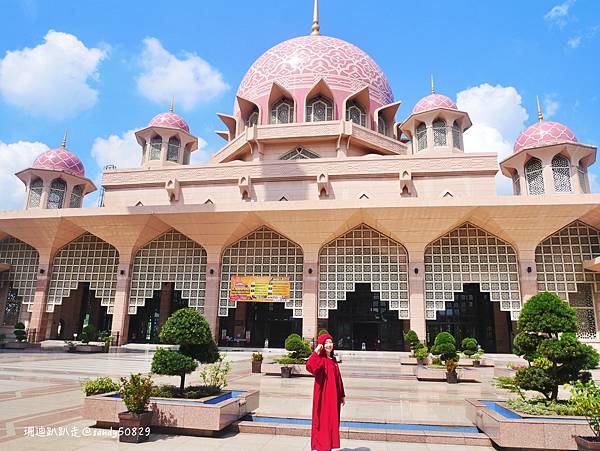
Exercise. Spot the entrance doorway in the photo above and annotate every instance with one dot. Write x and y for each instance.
(472, 314)
(363, 318)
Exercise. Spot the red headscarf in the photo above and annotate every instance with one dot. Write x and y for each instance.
(321, 340)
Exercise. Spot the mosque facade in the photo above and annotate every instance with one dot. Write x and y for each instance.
(321, 210)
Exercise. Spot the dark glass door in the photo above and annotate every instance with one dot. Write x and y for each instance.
(143, 326)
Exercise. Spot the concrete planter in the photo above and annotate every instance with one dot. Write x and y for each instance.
(204, 416)
(256, 366)
(511, 430)
(17, 345)
(89, 348)
(482, 362)
(134, 428)
(586, 444)
(425, 373)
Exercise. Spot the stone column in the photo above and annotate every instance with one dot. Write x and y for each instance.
(416, 291)
(120, 320)
(39, 317)
(548, 176)
(212, 291)
(310, 297)
(430, 145)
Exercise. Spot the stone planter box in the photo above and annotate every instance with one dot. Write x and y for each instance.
(410, 361)
(425, 373)
(509, 429)
(89, 348)
(503, 372)
(483, 362)
(17, 345)
(204, 416)
(274, 369)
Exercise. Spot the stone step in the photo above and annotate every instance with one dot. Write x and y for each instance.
(390, 432)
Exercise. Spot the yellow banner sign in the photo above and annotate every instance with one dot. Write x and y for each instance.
(259, 288)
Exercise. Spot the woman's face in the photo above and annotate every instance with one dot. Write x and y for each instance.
(328, 345)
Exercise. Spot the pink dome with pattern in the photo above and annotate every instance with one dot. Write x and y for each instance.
(433, 101)
(60, 159)
(300, 62)
(169, 120)
(544, 133)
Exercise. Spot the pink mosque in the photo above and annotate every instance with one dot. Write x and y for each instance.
(379, 225)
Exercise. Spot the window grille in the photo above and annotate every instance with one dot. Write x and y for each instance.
(535, 177)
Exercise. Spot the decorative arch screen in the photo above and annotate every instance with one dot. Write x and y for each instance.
(173, 149)
(76, 196)
(56, 196)
(382, 125)
(469, 254)
(439, 133)
(422, 137)
(319, 109)
(171, 257)
(516, 183)
(22, 275)
(282, 112)
(534, 176)
(363, 255)
(299, 153)
(561, 172)
(356, 114)
(85, 259)
(155, 147)
(457, 136)
(252, 118)
(35, 193)
(263, 253)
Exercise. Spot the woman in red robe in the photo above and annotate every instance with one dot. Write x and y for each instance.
(328, 396)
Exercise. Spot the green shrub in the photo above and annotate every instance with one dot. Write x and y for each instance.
(98, 386)
(286, 360)
(445, 346)
(190, 392)
(257, 357)
(421, 353)
(508, 383)
(436, 361)
(135, 392)
(215, 375)
(469, 346)
(412, 340)
(297, 347)
(585, 397)
(541, 406)
(173, 363)
(19, 332)
(89, 333)
(547, 340)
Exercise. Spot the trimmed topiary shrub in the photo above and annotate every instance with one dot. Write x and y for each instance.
(19, 332)
(98, 386)
(297, 347)
(412, 340)
(445, 346)
(173, 363)
(89, 333)
(547, 340)
(469, 346)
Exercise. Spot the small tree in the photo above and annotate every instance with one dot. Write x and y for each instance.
(19, 332)
(412, 339)
(469, 346)
(297, 347)
(547, 340)
(445, 346)
(173, 363)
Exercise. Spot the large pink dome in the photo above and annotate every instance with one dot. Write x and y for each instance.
(300, 62)
(544, 134)
(433, 101)
(60, 159)
(169, 120)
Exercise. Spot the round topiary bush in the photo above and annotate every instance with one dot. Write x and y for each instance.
(412, 339)
(469, 346)
(445, 346)
(297, 347)
(173, 363)
(19, 332)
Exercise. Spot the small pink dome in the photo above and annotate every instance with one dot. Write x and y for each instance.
(60, 159)
(544, 134)
(169, 120)
(300, 62)
(433, 101)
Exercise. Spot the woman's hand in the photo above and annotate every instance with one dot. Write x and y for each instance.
(343, 401)
(319, 348)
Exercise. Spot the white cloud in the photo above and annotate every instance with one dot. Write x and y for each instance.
(574, 42)
(498, 117)
(15, 157)
(191, 80)
(551, 106)
(559, 14)
(53, 78)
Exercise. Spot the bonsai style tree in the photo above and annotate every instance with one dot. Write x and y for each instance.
(297, 347)
(190, 330)
(469, 346)
(412, 339)
(19, 332)
(547, 340)
(445, 346)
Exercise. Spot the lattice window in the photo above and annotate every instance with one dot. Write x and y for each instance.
(516, 183)
(534, 176)
(263, 253)
(155, 147)
(469, 254)
(319, 109)
(382, 126)
(173, 149)
(76, 196)
(299, 153)
(252, 118)
(561, 173)
(439, 133)
(457, 136)
(583, 303)
(172, 257)
(35, 193)
(582, 173)
(559, 261)
(12, 308)
(363, 255)
(56, 196)
(422, 137)
(282, 112)
(86, 259)
(356, 113)
(22, 275)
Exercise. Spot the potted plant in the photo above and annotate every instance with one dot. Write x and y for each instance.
(21, 336)
(286, 369)
(134, 425)
(257, 359)
(299, 350)
(421, 355)
(470, 349)
(445, 346)
(451, 374)
(586, 396)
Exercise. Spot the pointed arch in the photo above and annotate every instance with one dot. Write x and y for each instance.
(299, 153)
(36, 187)
(534, 174)
(385, 118)
(282, 105)
(21, 276)
(57, 193)
(249, 111)
(561, 174)
(319, 104)
(356, 107)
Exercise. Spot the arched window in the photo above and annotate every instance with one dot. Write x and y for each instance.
(282, 112)
(516, 183)
(35, 193)
(173, 149)
(299, 153)
(582, 178)
(319, 109)
(422, 137)
(56, 196)
(382, 125)
(439, 133)
(252, 118)
(155, 147)
(76, 196)
(534, 176)
(561, 172)
(356, 113)
(456, 135)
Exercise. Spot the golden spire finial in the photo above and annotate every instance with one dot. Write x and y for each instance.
(432, 85)
(316, 28)
(172, 104)
(64, 142)
(540, 116)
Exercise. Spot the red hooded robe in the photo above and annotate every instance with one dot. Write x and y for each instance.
(327, 399)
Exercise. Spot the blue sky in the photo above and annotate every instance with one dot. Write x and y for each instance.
(94, 67)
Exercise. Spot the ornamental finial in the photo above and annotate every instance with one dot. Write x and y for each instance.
(316, 28)
(432, 85)
(540, 116)
(172, 104)
(64, 141)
